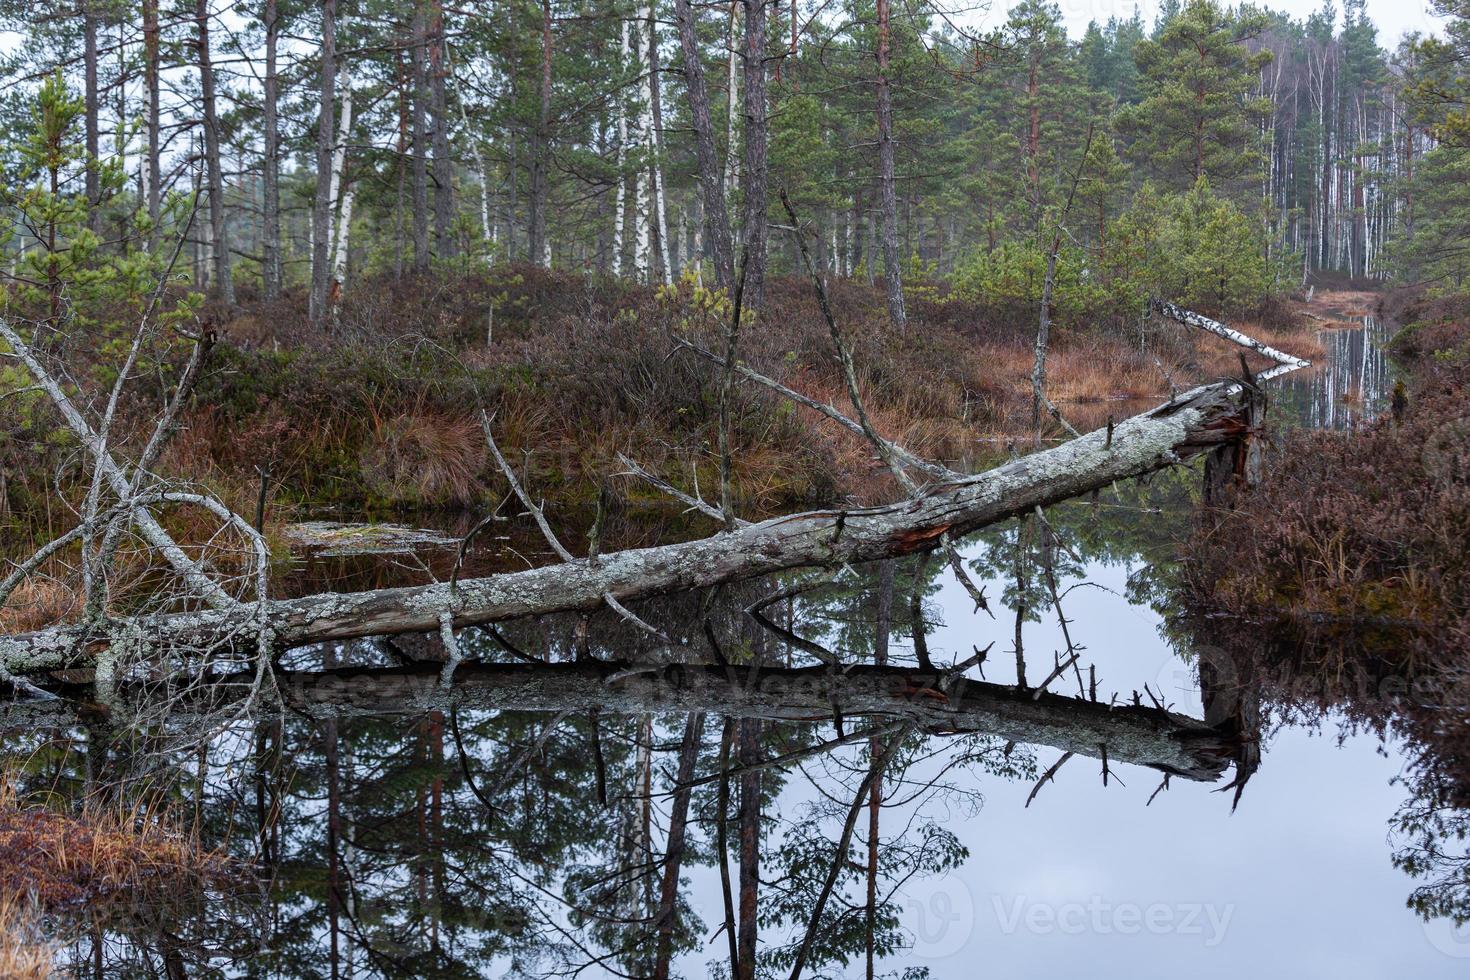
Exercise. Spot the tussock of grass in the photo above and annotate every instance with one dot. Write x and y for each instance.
(37, 603)
(62, 862)
(25, 952)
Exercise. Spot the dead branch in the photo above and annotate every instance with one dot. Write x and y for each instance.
(1047, 776)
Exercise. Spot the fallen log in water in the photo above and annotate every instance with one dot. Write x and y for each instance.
(931, 700)
(1194, 422)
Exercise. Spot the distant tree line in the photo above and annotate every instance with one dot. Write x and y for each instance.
(1242, 149)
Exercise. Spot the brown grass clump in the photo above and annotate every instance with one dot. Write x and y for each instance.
(106, 853)
(425, 456)
(37, 603)
(25, 953)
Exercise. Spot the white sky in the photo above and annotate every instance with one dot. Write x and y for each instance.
(1394, 18)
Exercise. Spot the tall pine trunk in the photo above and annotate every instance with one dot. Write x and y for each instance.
(711, 177)
(420, 140)
(732, 86)
(91, 111)
(674, 853)
(270, 271)
(445, 245)
(748, 753)
(218, 233)
(537, 243)
(755, 230)
(887, 181)
(883, 628)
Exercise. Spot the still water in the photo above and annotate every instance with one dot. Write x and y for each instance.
(402, 831)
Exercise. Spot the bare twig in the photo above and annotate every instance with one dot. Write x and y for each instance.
(1047, 776)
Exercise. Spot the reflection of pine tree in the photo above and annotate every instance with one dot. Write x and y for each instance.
(845, 615)
(807, 855)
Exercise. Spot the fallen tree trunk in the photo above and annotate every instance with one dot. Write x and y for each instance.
(930, 699)
(1193, 423)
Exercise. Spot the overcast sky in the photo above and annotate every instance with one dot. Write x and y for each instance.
(1394, 18)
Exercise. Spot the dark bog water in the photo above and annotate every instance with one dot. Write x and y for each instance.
(519, 821)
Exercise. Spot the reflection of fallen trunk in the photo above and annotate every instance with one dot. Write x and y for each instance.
(1145, 736)
(1188, 425)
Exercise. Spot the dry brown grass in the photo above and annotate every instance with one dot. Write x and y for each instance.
(1098, 371)
(425, 455)
(1346, 302)
(108, 852)
(25, 953)
(37, 603)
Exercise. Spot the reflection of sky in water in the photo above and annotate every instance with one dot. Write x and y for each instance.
(1091, 882)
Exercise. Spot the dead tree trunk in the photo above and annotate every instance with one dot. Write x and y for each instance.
(932, 700)
(1194, 423)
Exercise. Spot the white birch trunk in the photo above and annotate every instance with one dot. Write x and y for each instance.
(732, 158)
(660, 210)
(344, 227)
(339, 152)
(619, 232)
(643, 204)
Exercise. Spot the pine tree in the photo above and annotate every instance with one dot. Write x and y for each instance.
(1198, 117)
